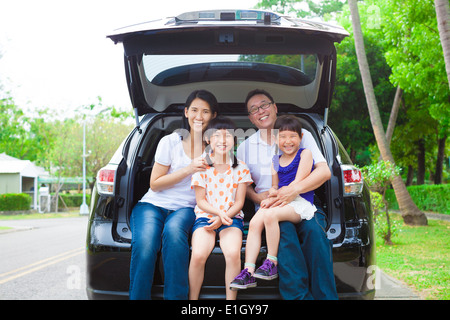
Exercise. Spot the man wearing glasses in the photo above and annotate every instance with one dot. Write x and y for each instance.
(305, 267)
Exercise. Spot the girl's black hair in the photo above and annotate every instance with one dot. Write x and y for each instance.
(220, 123)
(289, 123)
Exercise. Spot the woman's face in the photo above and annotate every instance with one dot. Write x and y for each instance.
(198, 114)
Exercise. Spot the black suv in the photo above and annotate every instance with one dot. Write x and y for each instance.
(228, 53)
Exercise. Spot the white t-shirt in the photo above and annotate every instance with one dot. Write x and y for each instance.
(257, 154)
(221, 187)
(170, 152)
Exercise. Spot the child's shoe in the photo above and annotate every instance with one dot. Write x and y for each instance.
(267, 271)
(243, 281)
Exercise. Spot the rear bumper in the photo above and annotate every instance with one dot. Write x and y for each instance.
(108, 265)
(108, 277)
(215, 293)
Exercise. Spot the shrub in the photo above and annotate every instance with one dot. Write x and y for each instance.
(433, 198)
(73, 200)
(15, 202)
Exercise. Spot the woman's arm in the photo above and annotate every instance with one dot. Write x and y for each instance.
(160, 180)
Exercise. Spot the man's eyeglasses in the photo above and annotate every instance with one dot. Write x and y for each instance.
(255, 109)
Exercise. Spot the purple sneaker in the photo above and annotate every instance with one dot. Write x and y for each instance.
(267, 271)
(244, 280)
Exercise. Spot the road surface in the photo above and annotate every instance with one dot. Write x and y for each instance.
(44, 259)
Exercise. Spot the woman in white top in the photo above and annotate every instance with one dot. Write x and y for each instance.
(163, 218)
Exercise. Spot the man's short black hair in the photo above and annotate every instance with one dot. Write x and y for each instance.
(256, 92)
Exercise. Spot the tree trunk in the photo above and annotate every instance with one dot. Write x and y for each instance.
(410, 213)
(443, 18)
(394, 113)
(440, 161)
(410, 175)
(421, 162)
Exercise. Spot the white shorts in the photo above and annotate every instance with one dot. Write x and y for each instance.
(303, 207)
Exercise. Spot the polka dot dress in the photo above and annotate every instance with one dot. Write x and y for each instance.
(221, 187)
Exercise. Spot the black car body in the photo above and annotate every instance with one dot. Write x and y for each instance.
(228, 53)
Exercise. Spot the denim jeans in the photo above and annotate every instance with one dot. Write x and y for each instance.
(305, 260)
(154, 228)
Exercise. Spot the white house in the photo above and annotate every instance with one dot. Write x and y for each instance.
(20, 176)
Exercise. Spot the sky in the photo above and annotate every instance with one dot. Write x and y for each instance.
(54, 54)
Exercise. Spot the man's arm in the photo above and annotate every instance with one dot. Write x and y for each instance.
(318, 176)
(256, 197)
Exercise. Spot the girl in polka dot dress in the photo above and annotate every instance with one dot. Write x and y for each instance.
(220, 194)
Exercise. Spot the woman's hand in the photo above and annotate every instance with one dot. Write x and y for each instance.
(197, 164)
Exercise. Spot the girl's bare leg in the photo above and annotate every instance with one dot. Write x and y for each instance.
(271, 222)
(254, 239)
(202, 244)
(231, 243)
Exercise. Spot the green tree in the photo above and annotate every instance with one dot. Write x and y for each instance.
(378, 176)
(414, 52)
(443, 17)
(411, 214)
(349, 115)
(304, 8)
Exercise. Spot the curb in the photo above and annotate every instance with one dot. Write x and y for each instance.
(15, 229)
(391, 288)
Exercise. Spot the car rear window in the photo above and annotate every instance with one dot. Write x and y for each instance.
(170, 70)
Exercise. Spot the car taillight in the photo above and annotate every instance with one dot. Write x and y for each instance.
(353, 180)
(105, 180)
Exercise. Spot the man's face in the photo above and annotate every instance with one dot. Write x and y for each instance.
(262, 118)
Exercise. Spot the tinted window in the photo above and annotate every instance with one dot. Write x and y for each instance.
(169, 70)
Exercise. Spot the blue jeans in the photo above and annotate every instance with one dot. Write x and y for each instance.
(305, 260)
(203, 222)
(154, 228)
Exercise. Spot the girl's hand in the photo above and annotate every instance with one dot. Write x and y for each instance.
(216, 222)
(226, 220)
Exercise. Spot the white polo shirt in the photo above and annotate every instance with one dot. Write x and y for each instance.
(170, 153)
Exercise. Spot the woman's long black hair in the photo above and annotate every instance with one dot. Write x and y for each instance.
(204, 95)
(220, 123)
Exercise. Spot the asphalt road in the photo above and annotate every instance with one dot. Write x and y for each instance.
(44, 259)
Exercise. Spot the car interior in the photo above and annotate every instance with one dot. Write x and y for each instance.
(167, 124)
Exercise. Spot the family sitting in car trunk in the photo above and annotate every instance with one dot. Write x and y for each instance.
(198, 186)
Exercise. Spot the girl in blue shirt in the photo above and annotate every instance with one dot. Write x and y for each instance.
(292, 166)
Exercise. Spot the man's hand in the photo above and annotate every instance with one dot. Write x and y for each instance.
(284, 196)
(268, 202)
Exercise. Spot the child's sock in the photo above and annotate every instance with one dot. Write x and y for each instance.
(250, 267)
(273, 259)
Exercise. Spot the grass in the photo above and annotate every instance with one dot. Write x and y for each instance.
(420, 257)
(70, 213)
